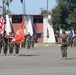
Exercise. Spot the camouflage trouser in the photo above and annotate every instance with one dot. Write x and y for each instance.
(70, 43)
(32, 43)
(5, 48)
(17, 48)
(74, 43)
(64, 51)
(28, 44)
(11, 49)
(23, 44)
(0, 47)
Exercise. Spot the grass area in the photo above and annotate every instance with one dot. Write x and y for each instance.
(47, 43)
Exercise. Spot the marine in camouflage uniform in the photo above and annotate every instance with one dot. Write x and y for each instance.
(5, 43)
(64, 46)
(74, 41)
(1, 42)
(11, 46)
(28, 41)
(70, 40)
(24, 42)
(32, 41)
(17, 48)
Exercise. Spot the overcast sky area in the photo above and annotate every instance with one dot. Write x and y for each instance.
(32, 6)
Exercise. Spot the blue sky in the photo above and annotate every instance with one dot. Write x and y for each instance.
(32, 6)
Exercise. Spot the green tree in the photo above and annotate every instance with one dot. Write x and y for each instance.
(56, 17)
(63, 15)
(44, 12)
(59, 15)
(72, 19)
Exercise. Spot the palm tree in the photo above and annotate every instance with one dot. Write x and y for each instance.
(7, 2)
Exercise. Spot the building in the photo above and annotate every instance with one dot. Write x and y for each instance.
(35, 24)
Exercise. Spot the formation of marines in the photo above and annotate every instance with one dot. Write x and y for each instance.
(29, 41)
(8, 49)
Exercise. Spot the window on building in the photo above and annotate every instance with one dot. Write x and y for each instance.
(16, 20)
(38, 20)
(39, 35)
(35, 20)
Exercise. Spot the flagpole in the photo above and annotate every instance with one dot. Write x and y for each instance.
(47, 5)
(3, 5)
(24, 13)
(24, 10)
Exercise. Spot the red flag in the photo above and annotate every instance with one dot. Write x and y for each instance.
(3, 21)
(19, 36)
(2, 26)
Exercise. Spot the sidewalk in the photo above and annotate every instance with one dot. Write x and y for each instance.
(46, 44)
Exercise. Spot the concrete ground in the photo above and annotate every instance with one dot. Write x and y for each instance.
(40, 60)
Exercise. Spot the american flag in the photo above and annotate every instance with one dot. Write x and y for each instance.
(2, 26)
(3, 21)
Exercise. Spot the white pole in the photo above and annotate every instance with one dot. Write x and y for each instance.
(47, 5)
(24, 7)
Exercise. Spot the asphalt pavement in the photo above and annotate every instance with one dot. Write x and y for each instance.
(40, 60)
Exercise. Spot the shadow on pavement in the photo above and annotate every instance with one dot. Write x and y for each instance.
(23, 55)
(71, 58)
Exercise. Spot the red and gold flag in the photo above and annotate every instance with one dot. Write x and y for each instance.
(19, 36)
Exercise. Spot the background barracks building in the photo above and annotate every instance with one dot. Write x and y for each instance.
(35, 24)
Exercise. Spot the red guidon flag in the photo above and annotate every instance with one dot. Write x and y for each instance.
(19, 36)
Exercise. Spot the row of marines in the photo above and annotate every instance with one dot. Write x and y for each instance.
(6, 47)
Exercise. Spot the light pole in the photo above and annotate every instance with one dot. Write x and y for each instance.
(47, 5)
(2, 3)
(24, 8)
